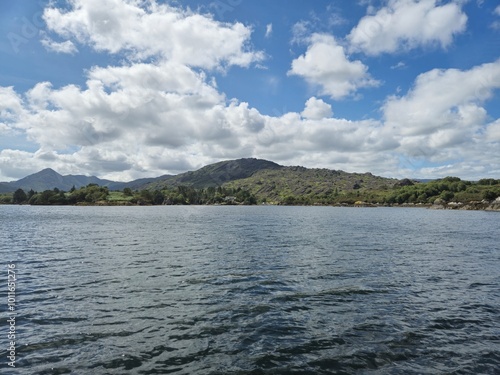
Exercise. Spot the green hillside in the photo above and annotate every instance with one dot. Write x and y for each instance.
(255, 181)
(299, 185)
(215, 175)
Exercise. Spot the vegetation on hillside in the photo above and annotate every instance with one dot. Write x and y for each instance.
(214, 175)
(96, 195)
(446, 190)
(338, 188)
(254, 181)
(299, 185)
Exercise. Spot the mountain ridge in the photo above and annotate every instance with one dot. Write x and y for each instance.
(216, 174)
(251, 181)
(48, 179)
(227, 172)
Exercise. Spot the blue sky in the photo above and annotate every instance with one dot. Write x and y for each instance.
(125, 89)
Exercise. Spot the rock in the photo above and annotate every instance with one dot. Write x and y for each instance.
(494, 206)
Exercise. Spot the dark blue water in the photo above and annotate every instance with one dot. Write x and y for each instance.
(252, 290)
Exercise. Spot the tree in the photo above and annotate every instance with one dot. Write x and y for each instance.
(127, 192)
(487, 181)
(489, 195)
(158, 197)
(145, 197)
(447, 196)
(19, 196)
(31, 193)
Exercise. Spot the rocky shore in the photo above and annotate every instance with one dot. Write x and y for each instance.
(483, 205)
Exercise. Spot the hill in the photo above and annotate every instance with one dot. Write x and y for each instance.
(135, 184)
(299, 183)
(212, 175)
(48, 179)
(5, 187)
(251, 181)
(265, 179)
(217, 174)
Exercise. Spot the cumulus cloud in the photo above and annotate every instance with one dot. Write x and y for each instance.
(440, 98)
(493, 132)
(10, 104)
(149, 29)
(326, 65)
(143, 119)
(317, 109)
(59, 47)
(168, 104)
(151, 116)
(443, 118)
(408, 24)
(127, 119)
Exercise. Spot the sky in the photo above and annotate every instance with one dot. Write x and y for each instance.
(125, 89)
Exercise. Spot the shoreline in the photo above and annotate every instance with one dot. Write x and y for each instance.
(493, 206)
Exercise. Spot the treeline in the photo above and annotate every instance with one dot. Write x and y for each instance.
(187, 195)
(94, 194)
(210, 195)
(447, 189)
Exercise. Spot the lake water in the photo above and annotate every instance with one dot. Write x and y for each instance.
(251, 290)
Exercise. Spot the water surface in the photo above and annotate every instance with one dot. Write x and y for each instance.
(253, 290)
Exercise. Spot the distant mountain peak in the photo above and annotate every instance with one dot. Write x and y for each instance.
(47, 171)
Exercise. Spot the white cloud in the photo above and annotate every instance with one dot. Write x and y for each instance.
(408, 24)
(59, 47)
(497, 10)
(145, 120)
(493, 132)
(442, 118)
(326, 65)
(317, 109)
(336, 19)
(148, 29)
(442, 98)
(129, 118)
(399, 65)
(269, 30)
(154, 104)
(11, 105)
(149, 116)
(4, 129)
(301, 32)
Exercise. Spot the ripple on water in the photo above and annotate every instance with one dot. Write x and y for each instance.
(254, 290)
